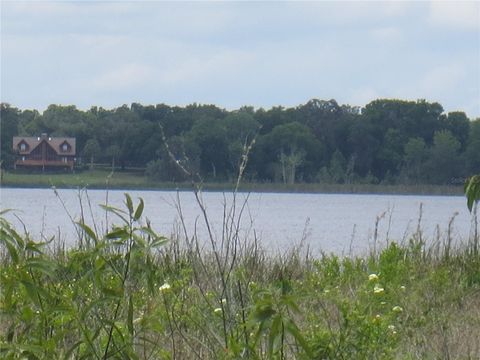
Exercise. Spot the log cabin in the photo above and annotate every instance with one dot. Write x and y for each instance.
(44, 152)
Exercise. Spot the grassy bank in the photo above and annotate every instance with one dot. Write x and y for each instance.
(101, 179)
(133, 294)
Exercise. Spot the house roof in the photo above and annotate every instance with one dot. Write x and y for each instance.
(54, 142)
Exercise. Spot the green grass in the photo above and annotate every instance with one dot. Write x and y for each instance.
(91, 179)
(133, 294)
(102, 179)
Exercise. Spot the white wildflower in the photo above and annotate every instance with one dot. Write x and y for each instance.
(165, 287)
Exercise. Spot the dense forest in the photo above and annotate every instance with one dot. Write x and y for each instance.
(387, 141)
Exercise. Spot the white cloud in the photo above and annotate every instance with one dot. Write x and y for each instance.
(346, 11)
(205, 67)
(259, 53)
(64, 8)
(362, 96)
(462, 15)
(443, 79)
(387, 34)
(123, 77)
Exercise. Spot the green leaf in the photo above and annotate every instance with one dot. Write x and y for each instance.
(42, 265)
(158, 242)
(129, 203)
(472, 191)
(112, 292)
(27, 314)
(11, 233)
(295, 332)
(32, 291)
(118, 212)
(264, 313)
(118, 326)
(7, 240)
(88, 230)
(139, 241)
(4, 211)
(99, 264)
(275, 335)
(27, 351)
(289, 301)
(117, 233)
(130, 315)
(69, 353)
(33, 246)
(139, 211)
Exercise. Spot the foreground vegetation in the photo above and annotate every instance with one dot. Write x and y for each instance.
(104, 179)
(133, 294)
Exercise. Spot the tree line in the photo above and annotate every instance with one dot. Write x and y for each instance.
(387, 141)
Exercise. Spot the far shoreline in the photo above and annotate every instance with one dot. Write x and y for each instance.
(97, 180)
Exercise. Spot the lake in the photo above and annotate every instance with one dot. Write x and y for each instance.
(339, 223)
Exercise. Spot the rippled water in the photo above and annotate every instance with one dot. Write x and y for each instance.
(339, 223)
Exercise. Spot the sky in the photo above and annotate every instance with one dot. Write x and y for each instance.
(232, 54)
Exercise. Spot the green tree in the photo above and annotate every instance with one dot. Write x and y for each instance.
(241, 129)
(9, 117)
(27, 125)
(472, 151)
(444, 161)
(60, 120)
(389, 158)
(386, 126)
(290, 149)
(91, 150)
(338, 167)
(458, 124)
(329, 122)
(176, 161)
(113, 152)
(416, 154)
(364, 145)
(208, 135)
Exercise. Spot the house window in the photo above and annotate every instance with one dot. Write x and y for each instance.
(65, 147)
(65, 159)
(23, 147)
(23, 158)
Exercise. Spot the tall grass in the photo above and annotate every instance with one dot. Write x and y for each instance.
(130, 293)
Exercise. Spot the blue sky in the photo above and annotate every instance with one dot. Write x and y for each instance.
(231, 54)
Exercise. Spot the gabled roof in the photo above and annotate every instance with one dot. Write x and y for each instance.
(54, 142)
